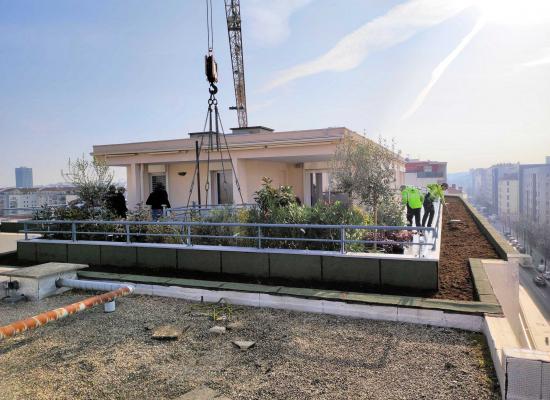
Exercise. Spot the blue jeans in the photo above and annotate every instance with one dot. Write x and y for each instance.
(156, 214)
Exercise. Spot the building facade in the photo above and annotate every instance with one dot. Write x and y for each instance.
(21, 201)
(534, 192)
(23, 177)
(421, 173)
(300, 159)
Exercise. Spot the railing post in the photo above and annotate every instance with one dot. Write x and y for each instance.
(26, 231)
(259, 237)
(73, 232)
(188, 235)
(127, 228)
(342, 240)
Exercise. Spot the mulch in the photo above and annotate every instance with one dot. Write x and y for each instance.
(457, 246)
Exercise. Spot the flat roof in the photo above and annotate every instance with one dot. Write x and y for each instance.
(233, 141)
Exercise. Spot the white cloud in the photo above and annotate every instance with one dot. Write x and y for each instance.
(442, 66)
(268, 20)
(396, 26)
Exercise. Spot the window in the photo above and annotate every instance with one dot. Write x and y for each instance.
(321, 189)
(222, 187)
(158, 179)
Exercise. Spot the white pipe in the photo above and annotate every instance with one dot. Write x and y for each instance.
(91, 285)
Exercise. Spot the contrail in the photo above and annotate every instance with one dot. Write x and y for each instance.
(440, 69)
(398, 25)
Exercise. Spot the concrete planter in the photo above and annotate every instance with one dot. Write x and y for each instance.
(376, 271)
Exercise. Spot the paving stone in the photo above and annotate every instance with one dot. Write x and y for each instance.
(166, 332)
(244, 344)
(218, 329)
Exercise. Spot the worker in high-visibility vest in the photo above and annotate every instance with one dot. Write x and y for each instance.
(413, 199)
(435, 192)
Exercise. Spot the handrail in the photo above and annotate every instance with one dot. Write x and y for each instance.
(340, 238)
(244, 224)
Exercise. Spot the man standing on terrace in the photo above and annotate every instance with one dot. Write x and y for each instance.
(435, 192)
(413, 199)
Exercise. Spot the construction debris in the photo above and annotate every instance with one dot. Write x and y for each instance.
(218, 329)
(243, 344)
(167, 332)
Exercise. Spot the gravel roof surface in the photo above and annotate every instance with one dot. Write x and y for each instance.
(93, 355)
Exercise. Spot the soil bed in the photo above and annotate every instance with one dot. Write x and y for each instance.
(457, 246)
(93, 355)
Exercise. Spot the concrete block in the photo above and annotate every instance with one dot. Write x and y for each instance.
(46, 252)
(415, 274)
(466, 322)
(524, 378)
(381, 313)
(156, 258)
(199, 260)
(83, 253)
(241, 263)
(420, 316)
(119, 256)
(241, 298)
(295, 266)
(351, 270)
(26, 250)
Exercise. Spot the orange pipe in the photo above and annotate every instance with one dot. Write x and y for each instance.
(59, 313)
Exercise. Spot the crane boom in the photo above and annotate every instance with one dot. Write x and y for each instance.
(233, 14)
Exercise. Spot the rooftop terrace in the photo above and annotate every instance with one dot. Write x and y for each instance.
(297, 355)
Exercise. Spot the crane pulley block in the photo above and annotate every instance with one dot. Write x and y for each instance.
(211, 68)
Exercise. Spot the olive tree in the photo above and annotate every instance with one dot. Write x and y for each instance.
(91, 177)
(365, 170)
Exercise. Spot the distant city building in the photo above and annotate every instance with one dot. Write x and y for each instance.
(508, 196)
(23, 177)
(534, 192)
(421, 173)
(21, 201)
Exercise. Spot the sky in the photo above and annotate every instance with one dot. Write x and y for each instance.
(462, 81)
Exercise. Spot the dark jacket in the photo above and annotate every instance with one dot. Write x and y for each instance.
(157, 199)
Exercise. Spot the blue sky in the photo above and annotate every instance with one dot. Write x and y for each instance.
(448, 80)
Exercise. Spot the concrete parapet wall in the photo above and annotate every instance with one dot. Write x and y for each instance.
(376, 272)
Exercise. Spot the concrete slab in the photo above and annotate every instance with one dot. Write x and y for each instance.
(157, 258)
(46, 252)
(294, 266)
(409, 274)
(119, 256)
(43, 270)
(249, 264)
(199, 260)
(83, 253)
(347, 269)
(26, 250)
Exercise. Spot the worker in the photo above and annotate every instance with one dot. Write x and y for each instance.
(157, 199)
(435, 192)
(413, 199)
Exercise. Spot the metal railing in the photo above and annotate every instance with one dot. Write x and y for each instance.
(186, 213)
(339, 238)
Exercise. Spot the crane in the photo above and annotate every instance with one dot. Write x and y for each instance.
(233, 14)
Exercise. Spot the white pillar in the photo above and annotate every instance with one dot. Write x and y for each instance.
(134, 179)
(240, 169)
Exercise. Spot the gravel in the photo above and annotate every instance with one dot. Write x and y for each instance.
(93, 355)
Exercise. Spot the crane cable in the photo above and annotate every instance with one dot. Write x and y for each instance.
(209, 26)
(211, 74)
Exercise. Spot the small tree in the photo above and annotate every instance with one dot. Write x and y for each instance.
(365, 170)
(91, 178)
